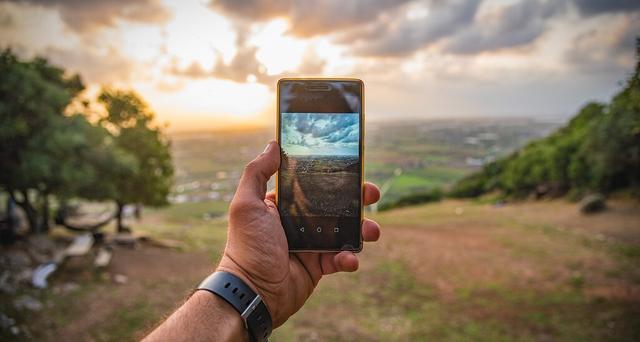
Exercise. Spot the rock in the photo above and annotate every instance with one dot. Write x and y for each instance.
(18, 259)
(80, 245)
(120, 279)
(27, 302)
(5, 285)
(592, 204)
(103, 258)
(6, 322)
(15, 330)
(41, 273)
(23, 276)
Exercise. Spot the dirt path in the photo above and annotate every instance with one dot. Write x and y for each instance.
(155, 281)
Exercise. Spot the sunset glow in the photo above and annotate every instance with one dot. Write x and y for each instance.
(207, 65)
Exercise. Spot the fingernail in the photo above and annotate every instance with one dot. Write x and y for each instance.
(267, 147)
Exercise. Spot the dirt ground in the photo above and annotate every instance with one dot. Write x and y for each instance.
(449, 271)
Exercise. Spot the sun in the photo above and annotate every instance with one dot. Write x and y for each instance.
(277, 51)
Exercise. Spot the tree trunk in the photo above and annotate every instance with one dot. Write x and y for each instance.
(138, 211)
(8, 232)
(119, 213)
(29, 210)
(44, 224)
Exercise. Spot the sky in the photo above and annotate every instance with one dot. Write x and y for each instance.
(333, 134)
(210, 64)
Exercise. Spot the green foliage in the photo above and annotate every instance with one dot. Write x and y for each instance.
(131, 120)
(34, 139)
(598, 150)
(434, 195)
(46, 151)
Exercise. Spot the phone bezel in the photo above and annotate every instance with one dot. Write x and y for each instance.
(358, 248)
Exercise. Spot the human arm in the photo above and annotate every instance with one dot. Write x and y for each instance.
(257, 252)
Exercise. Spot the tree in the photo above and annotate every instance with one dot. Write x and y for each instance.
(33, 98)
(598, 150)
(132, 123)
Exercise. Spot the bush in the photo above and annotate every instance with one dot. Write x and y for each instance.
(434, 195)
(597, 151)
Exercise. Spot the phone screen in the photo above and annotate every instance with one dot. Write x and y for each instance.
(320, 175)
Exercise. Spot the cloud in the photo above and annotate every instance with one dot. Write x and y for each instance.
(596, 7)
(326, 134)
(245, 67)
(88, 15)
(407, 35)
(323, 126)
(309, 18)
(515, 25)
(6, 20)
(607, 48)
(104, 67)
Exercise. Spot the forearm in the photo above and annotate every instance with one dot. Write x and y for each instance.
(205, 316)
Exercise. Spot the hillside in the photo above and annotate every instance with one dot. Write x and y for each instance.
(597, 151)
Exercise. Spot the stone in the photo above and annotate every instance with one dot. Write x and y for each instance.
(120, 279)
(27, 302)
(593, 204)
(18, 259)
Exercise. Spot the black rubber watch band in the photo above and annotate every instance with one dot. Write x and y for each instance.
(249, 304)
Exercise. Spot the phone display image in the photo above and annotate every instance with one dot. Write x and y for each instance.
(320, 164)
(319, 184)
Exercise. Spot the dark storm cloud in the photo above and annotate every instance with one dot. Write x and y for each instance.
(399, 38)
(310, 17)
(515, 25)
(328, 128)
(595, 7)
(87, 15)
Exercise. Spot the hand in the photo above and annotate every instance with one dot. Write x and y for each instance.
(257, 249)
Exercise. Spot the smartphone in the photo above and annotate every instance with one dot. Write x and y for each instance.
(320, 129)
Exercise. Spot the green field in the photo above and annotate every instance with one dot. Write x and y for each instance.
(427, 154)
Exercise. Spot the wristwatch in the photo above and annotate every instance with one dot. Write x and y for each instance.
(249, 304)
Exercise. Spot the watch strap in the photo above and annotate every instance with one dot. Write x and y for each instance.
(249, 304)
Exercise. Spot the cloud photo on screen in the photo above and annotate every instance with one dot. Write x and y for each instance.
(320, 134)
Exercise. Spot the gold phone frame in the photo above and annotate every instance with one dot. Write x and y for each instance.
(362, 148)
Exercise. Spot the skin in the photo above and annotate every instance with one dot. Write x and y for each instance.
(257, 252)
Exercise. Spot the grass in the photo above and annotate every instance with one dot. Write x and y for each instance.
(453, 271)
(189, 211)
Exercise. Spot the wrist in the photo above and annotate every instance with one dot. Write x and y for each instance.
(234, 326)
(244, 300)
(228, 265)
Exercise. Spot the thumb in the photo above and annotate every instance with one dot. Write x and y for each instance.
(253, 183)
